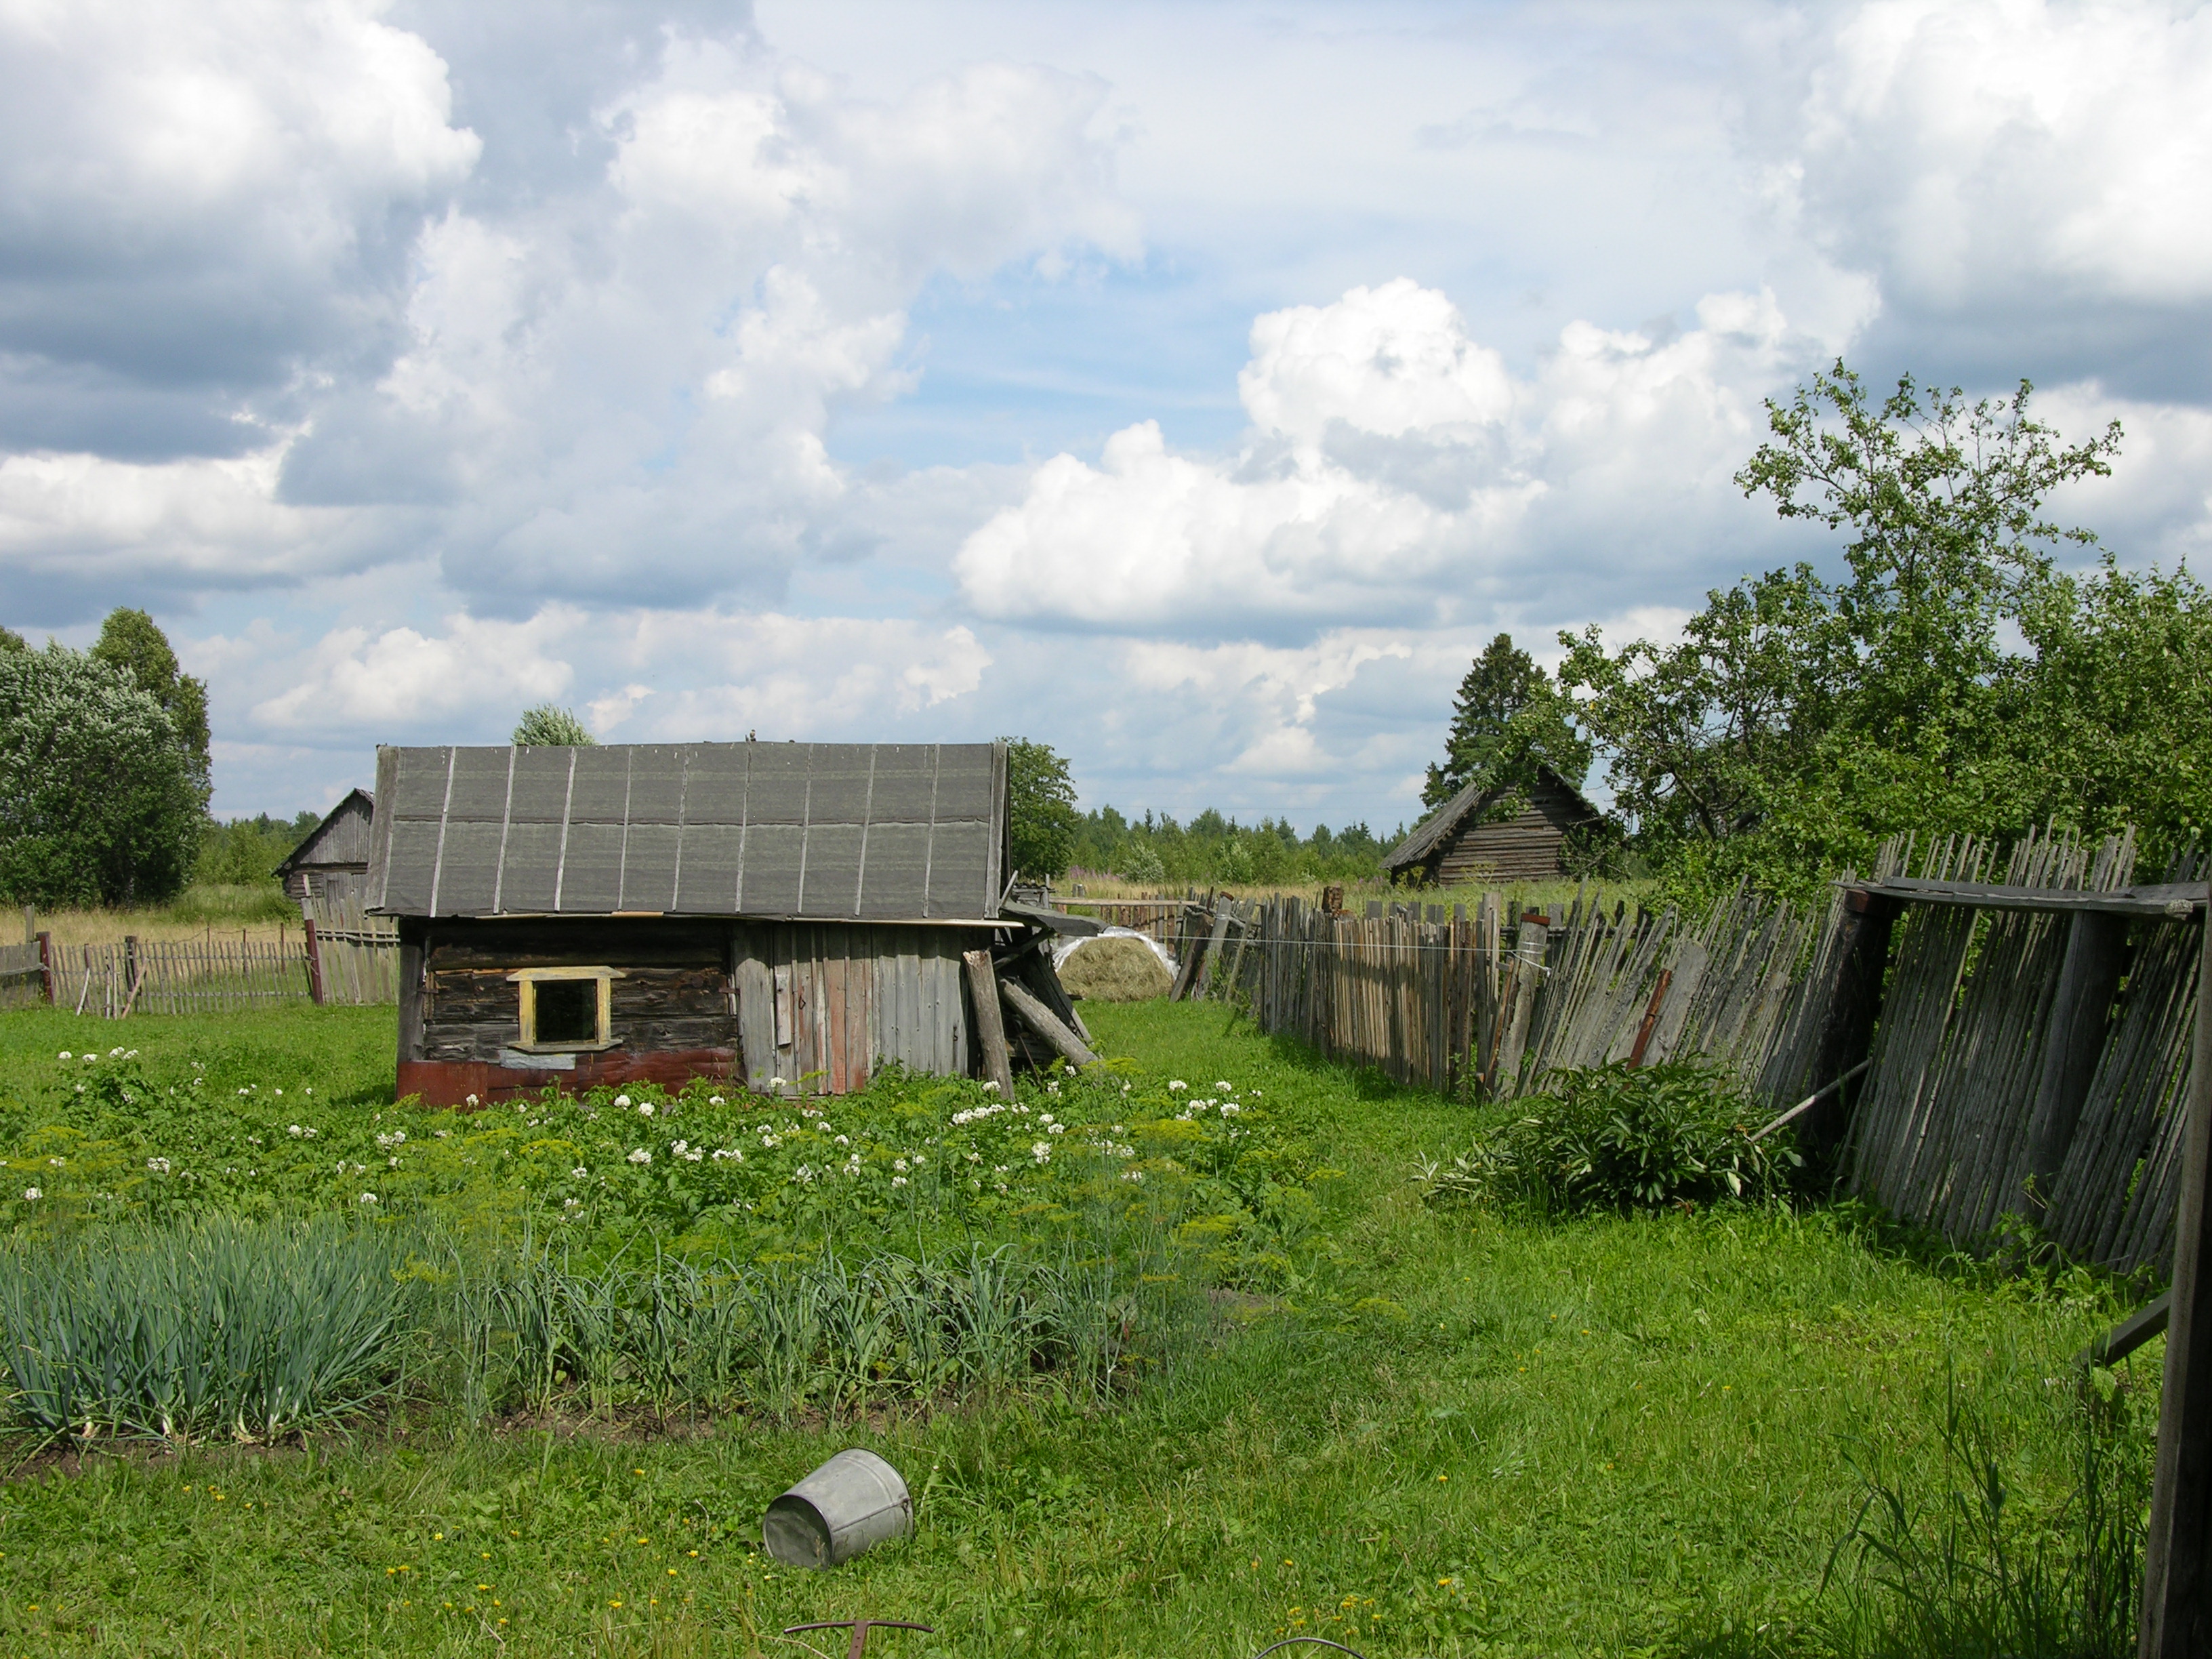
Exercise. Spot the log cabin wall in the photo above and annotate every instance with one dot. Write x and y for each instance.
(814, 1006)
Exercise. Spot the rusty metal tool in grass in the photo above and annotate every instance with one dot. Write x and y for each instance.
(860, 1627)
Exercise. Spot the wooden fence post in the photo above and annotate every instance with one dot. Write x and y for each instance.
(314, 965)
(2088, 978)
(990, 1025)
(1853, 997)
(2174, 1622)
(46, 965)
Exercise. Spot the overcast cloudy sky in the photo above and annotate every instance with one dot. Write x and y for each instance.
(1193, 386)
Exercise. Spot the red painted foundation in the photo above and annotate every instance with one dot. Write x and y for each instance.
(452, 1082)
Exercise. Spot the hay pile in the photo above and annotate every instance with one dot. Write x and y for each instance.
(1114, 968)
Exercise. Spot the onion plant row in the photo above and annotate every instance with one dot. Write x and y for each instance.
(253, 1331)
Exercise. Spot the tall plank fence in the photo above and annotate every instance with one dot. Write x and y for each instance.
(2027, 1040)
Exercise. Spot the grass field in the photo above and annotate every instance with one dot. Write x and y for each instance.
(1417, 1430)
(258, 911)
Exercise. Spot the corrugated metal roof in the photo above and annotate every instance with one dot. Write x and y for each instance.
(814, 831)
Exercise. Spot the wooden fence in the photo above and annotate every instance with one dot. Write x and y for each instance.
(2027, 1040)
(357, 954)
(345, 957)
(22, 975)
(1493, 1005)
(180, 976)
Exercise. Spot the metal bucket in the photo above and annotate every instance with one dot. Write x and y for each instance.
(850, 1503)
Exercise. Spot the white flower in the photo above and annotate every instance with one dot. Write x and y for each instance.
(695, 1154)
(304, 1091)
(579, 1173)
(1229, 1109)
(679, 1146)
(115, 1054)
(1177, 1085)
(54, 1162)
(974, 1157)
(1133, 1174)
(639, 1154)
(1224, 1087)
(622, 1100)
(572, 1203)
(368, 1198)
(445, 1134)
(775, 1083)
(991, 1087)
(1040, 1150)
(294, 1130)
(645, 1108)
(919, 1160)
(280, 1094)
(899, 1163)
(1052, 1085)
(898, 1181)
(389, 1163)
(1057, 1128)
(66, 1056)
(802, 1173)
(158, 1165)
(714, 1100)
(32, 1193)
(472, 1101)
(842, 1141)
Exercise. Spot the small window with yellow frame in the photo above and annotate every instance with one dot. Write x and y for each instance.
(564, 1010)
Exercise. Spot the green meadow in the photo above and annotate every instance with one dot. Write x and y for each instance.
(1266, 1390)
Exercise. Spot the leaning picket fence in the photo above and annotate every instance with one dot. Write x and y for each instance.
(2018, 1063)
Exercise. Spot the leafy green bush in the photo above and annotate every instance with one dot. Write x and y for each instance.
(1612, 1137)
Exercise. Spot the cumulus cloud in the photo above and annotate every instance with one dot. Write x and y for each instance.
(2012, 171)
(396, 679)
(214, 198)
(251, 244)
(1393, 471)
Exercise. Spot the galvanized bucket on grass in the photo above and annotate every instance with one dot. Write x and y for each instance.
(850, 1503)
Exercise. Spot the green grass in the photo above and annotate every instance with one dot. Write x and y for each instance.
(1459, 1432)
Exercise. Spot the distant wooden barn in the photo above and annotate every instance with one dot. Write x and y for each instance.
(779, 915)
(1456, 844)
(332, 863)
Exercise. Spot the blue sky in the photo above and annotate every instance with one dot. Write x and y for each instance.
(1195, 388)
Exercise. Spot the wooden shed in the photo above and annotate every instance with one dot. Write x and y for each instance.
(1458, 842)
(332, 863)
(779, 915)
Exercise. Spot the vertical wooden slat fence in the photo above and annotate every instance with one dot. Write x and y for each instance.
(357, 954)
(180, 976)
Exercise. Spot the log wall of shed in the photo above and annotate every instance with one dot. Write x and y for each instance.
(815, 1007)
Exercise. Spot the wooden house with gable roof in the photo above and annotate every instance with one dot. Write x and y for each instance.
(1460, 843)
(777, 914)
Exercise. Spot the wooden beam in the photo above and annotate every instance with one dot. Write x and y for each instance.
(2088, 978)
(2174, 1608)
(2173, 901)
(1853, 998)
(990, 1026)
(1046, 1024)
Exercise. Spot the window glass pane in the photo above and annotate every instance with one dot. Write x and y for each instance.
(568, 1011)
